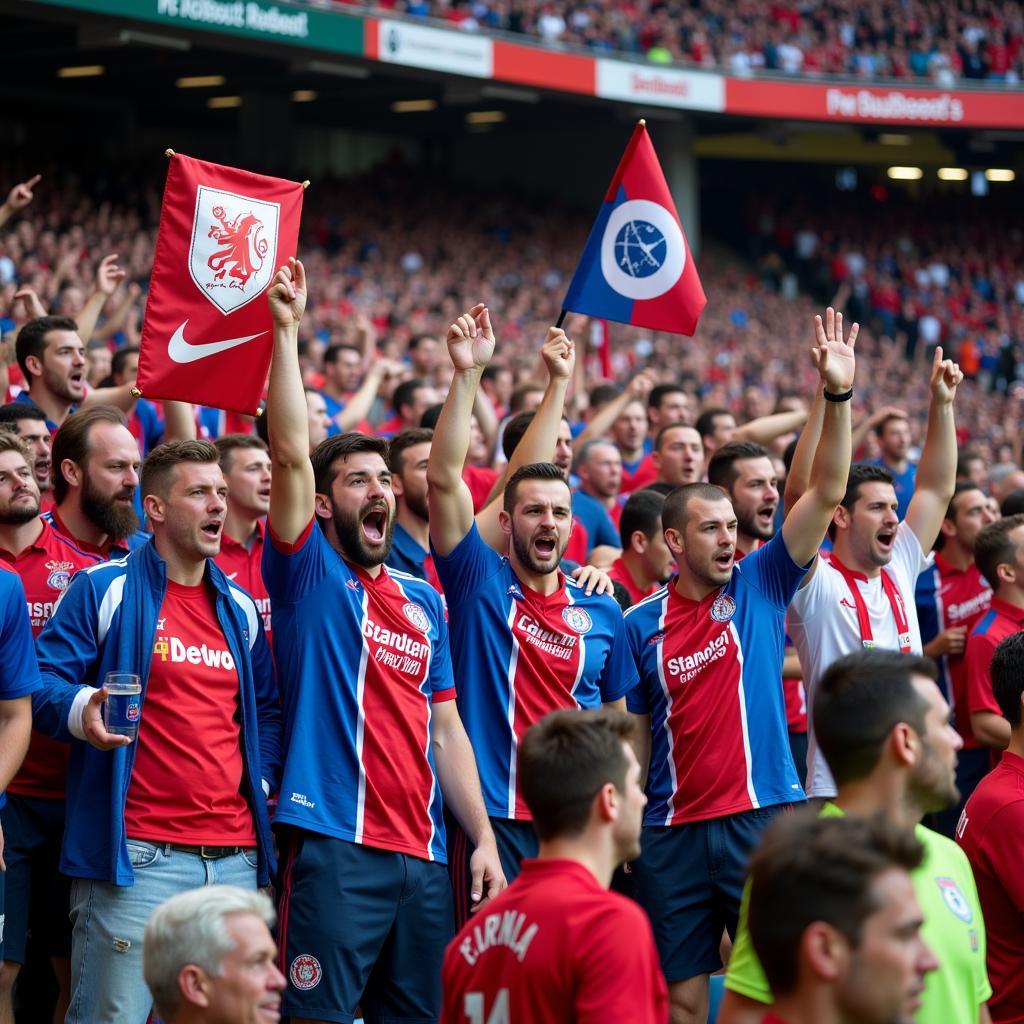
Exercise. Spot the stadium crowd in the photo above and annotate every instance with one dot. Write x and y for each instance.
(451, 633)
(943, 42)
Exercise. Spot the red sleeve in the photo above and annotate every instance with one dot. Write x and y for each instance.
(1004, 839)
(619, 977)
(977, 660)
(283, 546)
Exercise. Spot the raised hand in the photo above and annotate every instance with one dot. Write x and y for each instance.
(21, 195)
(471, 339)
(109, 275)
(30, 302)
(946, 375)
(287, 294)
(640, 386)
(559, 353)
(833, 358)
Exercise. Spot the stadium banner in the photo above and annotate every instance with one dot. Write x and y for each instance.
(636, 267)
(279, 22)
(659, 86)
(435, 49)
(207, 335)
(875, 104)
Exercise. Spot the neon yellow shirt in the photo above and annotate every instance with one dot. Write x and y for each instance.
(953, 928)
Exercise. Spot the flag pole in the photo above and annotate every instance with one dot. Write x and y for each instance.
(561, 318)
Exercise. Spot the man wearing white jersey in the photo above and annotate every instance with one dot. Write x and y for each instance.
(863, 596)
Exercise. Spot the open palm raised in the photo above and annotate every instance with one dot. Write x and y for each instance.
(832, 357)
(471, 339)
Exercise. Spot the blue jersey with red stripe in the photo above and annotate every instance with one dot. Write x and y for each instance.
(711, 680)
(519, 655)
(360, 661)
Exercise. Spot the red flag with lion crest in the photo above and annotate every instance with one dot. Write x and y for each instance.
(207, 337)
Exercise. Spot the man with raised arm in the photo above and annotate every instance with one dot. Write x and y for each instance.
(863, 596)
(373, 737)
(713, 730)
(525, 640)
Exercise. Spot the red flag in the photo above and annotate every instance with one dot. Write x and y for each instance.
(208, 334)
(636, 267)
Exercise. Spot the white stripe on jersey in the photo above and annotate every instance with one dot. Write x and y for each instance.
(582, 654)
(512, 664)
(751, 792)
(660, 662)
(430, 713)
(361, 720)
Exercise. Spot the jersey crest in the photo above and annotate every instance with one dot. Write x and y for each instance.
(305, 972)
(577, 619)
(723, 609)
(954, 899)
(416, 615)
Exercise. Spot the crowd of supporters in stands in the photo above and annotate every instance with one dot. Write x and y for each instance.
(943, 42)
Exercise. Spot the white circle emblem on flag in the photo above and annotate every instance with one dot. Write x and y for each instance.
(642, 250)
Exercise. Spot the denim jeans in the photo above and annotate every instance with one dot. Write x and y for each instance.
(107, 986)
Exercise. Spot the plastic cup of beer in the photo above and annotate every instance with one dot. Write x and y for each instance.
(123, 706)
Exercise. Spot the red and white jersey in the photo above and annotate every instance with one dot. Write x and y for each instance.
(555, 947)
(244, 566)
(46, 567)
(823, 624)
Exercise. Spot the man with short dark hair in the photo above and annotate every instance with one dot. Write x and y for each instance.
(424, 355)
(146, 817)
(410, 400)
(51, 356)
(574, 951)
(709, 648)
(883, 725)
(999, 552)
(245, 463)
(836, 923)
(991, 833)
(363, 664)
(716, 427)
(29, 423)
(893, 434)
(410, 546)
(525, 639)
(646, 561)
(863, 595)
(678, 457)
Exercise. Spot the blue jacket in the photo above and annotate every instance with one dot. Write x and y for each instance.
(106, 621)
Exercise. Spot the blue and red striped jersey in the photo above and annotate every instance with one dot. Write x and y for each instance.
(711, 680)
(519, 655)
(360, 661)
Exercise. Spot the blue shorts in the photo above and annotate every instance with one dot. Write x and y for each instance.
(689, 880)
(38, 896)
(361, 926)
(516, 840)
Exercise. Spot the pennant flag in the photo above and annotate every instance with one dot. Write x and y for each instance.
(636, 267)
(207, 336)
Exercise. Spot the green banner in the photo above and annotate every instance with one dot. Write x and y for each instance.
(251, 19)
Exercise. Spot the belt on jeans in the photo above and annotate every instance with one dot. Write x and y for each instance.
(211, 852)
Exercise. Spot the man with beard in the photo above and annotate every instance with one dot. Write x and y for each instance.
(525, 640)
(884, 727)
(576, 952)
(29, 423)
(709, 647)
(245, 463)
(93, 520)
(863, 596)
(52, 360)
(184, 803)
(365, 676)
(834, 916)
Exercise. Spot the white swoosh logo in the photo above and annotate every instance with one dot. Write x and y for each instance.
(182, 351)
